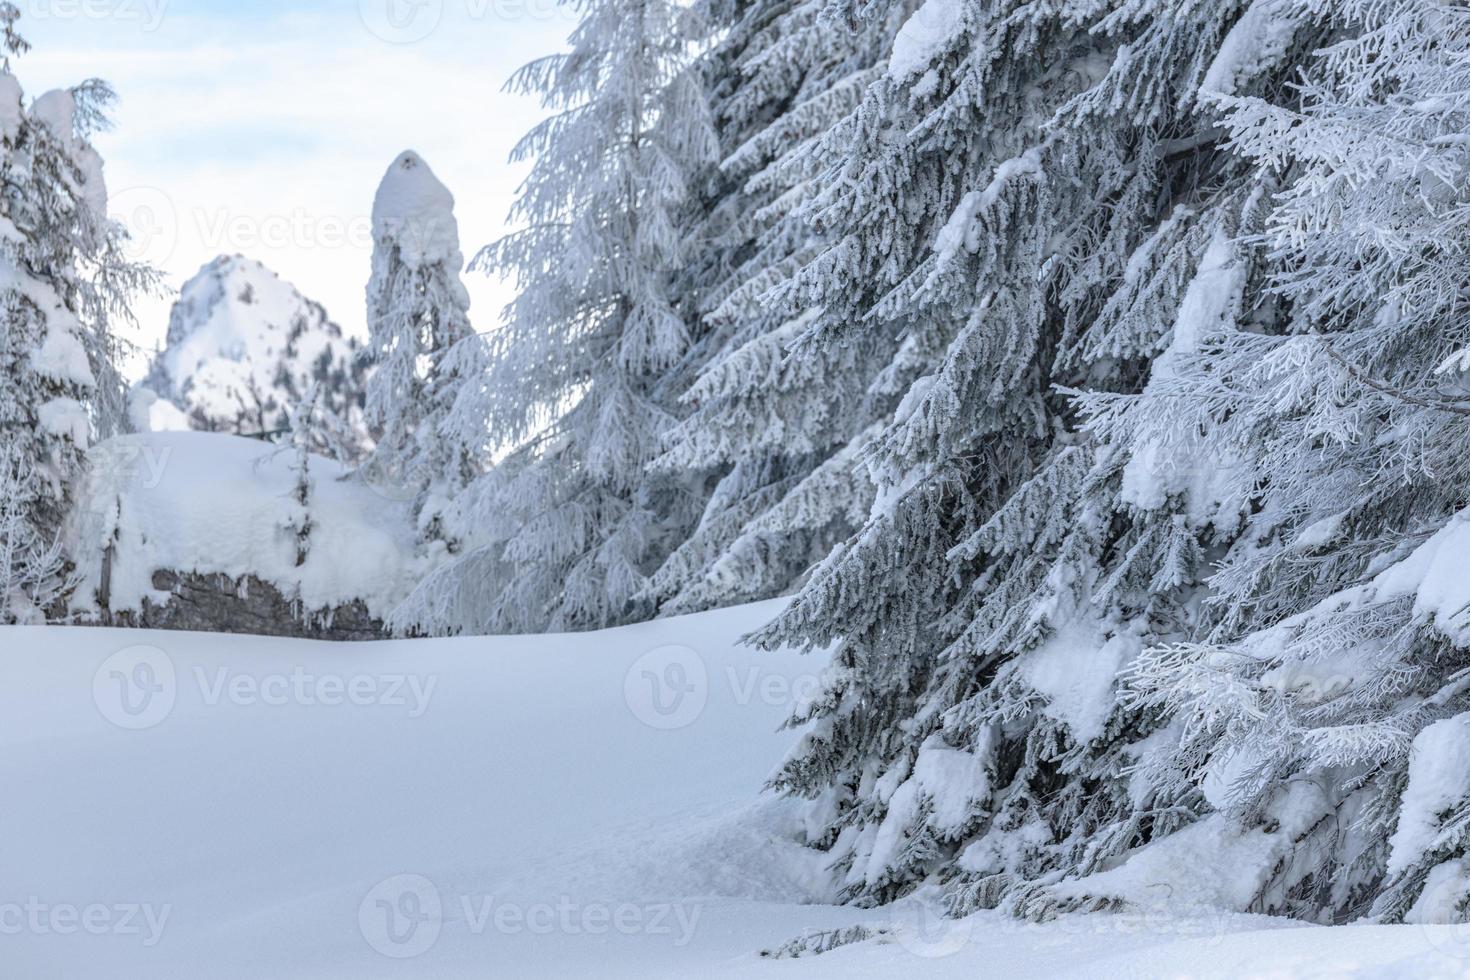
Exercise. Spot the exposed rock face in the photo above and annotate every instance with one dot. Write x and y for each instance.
(220, 604)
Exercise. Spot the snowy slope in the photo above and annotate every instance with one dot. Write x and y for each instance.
(244, 346)
(521, 807)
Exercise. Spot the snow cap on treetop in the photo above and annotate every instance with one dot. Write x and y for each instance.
(58, 110)
(414, 211)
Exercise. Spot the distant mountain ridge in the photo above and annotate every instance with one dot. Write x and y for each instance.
(244, 348)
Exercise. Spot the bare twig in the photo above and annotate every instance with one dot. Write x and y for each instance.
(1357, 374)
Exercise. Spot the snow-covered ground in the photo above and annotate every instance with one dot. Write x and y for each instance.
(192, 806)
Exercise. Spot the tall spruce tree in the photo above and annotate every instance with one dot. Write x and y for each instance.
(428, 360)
(1134, 356)
(63, 279)
(779, 436)
(572, 524)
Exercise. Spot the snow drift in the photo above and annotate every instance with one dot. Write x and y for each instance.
(543, 806)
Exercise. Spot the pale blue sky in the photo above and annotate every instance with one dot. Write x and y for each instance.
(263, 127)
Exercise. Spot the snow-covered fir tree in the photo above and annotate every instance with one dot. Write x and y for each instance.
(779, 436)
(572, 523)
(1325, 712)
(1032, 198)
(63, 280)
(243, 349)
(422, 401)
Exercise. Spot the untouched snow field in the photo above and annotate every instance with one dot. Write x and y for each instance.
(197, 807)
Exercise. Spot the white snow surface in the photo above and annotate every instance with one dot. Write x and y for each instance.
(924, 35)
(68, 418)
(1255, 44)
(963, 228)
(414, 210)
(1439, 780)
(11, 111)
(1437, 575)
(61, 355)
(1077, 671)
(220, 504)
(522, 797)
(57, 109)
(150, 413)
(1210, 866)
(1174, 873)
(1156, 470)
(1456, 363)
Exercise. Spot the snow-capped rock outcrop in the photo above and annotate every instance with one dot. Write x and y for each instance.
(203, 531)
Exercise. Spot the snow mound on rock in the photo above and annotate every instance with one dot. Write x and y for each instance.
(216, 504)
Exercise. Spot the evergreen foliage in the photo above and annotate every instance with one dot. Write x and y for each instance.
(427, 359)
(1094, 371)
(64, 282)
(571, 525)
